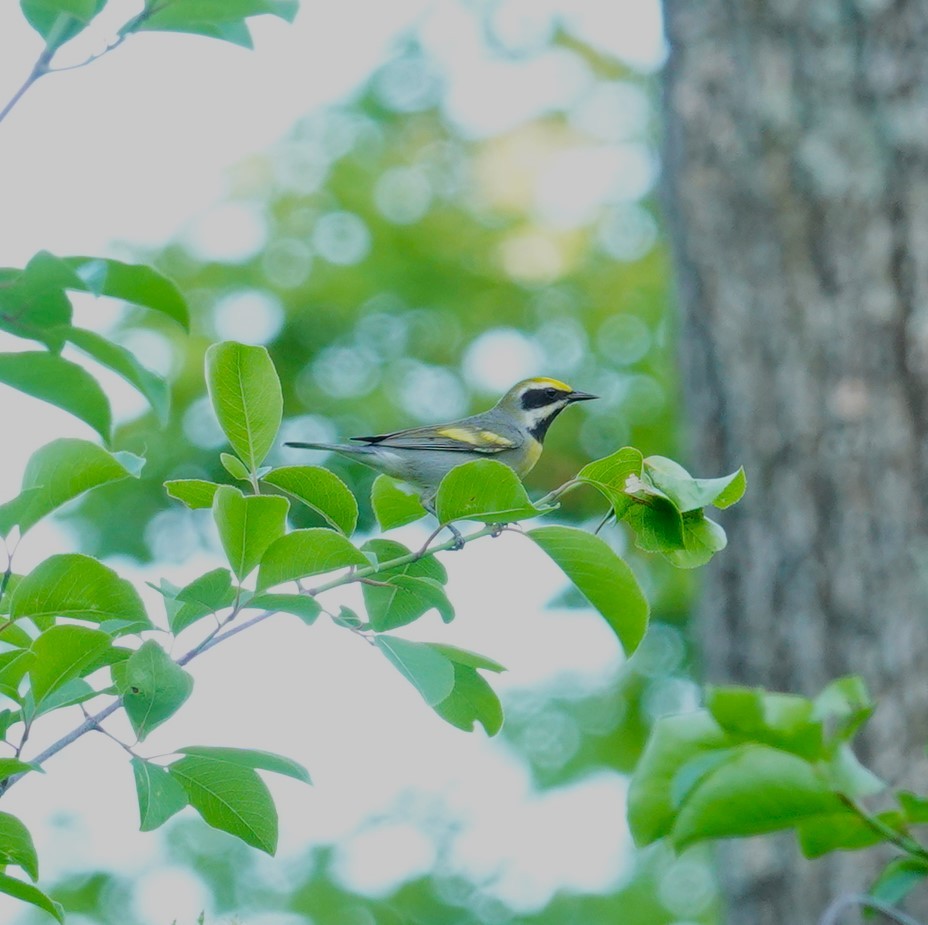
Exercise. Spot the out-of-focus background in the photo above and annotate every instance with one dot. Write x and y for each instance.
(413, 205)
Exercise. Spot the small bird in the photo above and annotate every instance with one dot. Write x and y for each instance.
(512, 431)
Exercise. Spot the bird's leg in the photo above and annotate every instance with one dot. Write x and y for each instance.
(429, 505)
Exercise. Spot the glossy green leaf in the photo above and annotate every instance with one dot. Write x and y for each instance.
(844, 831)
(757, 790)
(152, 386)
(231, 798)
(429, 671)
(203, 596)
(153, 688)
(247, 526)
(250, 758)
(321, 490)
(59, 472)
(77, 586)
(160, 795)
(914, 806)
(675, 740)
(16, 846)
(467, 658)
(58, 21)
(136, 283)
(394, 507)
(471, 701)
(610, 476)
(657, 523)
(691, 494)
(71, 693)
(214, 17)
(245, 392)
(13, 668)
(381, 552)
(306, 552)
(304, 606)
(59, 382)
(234, 466)
(27, 893)
(194, 493)
(403, 600)
(484, 490)
(702, 539)
(601, 576)
(11, 766)
(898, 879)
(65, 652)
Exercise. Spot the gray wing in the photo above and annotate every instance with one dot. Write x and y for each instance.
(463, 436)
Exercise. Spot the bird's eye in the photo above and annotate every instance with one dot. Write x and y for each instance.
(551, 393)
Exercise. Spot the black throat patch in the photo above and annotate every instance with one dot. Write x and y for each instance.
(540, 428)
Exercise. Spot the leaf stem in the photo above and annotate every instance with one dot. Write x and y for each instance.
(39, 69)
(216, 636)
(833, 913)
(903, 842)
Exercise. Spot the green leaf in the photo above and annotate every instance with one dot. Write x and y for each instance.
(11, 766)
(59, 472)
(30, 894)
(471, 701)
(203, 596)
(757, 790)
(198, 16)
(601, 576)
(484, 490)
(657, 523)
(429, 671)
(65, 652)
(234, 466)
(16, 846)
(610, 475)
(702, 539)
(195, 493)
(306, 552)
(845, 831)
(13, 668)
(384, 551)
(300, 605)
(231, 798)
(405, 600)
(79, 587)
(136, 283)
(59, 382)
(321, 490)
(847, 703)
(248, 526)
(58, 21)
(153, 688)
(245, 392)
(392, 506)
(73, 692)
(250, 758)
(848, 776)
(690, 494)
(467, 658)
(674, 741)
(160, 795)
(898, 879)
(914, 806)
(124, 364)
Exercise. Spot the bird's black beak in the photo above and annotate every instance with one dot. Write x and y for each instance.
(580, 396)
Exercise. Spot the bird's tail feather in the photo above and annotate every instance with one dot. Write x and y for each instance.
(317, 446)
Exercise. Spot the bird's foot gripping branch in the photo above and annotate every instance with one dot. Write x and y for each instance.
(71, 627)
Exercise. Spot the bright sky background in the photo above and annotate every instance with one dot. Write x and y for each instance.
(131, 151)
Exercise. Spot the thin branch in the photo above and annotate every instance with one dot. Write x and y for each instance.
(833, 913)
(99, 728)
(216, 636)
(39, 69)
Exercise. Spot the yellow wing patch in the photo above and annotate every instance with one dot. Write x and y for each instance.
(544, 380)
(474, 437)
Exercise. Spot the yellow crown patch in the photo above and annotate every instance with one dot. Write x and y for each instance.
(544, 380)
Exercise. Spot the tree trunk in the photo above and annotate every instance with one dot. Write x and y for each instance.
(796, 171)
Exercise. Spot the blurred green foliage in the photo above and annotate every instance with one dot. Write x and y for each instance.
(403, 271)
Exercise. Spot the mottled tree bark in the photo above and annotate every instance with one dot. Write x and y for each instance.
(796, 156)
